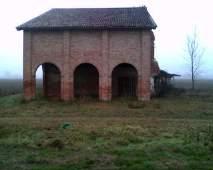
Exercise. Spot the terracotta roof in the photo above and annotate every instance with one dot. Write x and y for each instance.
(91, 18)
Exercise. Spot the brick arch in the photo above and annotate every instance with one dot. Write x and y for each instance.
(51, 80)
(76, 64)
(125, 63)
(124, 80)
(135, 65)
(86, 80)
(36, 66)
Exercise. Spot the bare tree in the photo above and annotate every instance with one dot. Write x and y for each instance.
(194, 57)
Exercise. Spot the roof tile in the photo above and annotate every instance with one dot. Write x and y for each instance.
(91, 18)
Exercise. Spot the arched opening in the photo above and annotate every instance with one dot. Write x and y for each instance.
(48, 81)
(39, 81)
(86, 81)
(124, 81)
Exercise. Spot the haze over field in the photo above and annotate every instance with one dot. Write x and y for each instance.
(175, 19)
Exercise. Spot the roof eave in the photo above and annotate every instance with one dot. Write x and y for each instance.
(20, 28)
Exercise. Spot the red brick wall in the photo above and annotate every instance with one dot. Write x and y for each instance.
(103, 49)
(47, 47)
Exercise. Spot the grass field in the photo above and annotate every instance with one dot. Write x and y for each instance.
(10, 86)
(199, 84)
(14, 86)
(168, 133)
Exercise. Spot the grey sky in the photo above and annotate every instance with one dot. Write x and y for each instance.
(175, 19)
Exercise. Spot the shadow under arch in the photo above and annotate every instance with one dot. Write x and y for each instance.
(48, 76)
(86, 81)
(124, 80)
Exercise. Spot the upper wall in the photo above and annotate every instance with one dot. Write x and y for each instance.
(47, 47)
(88, 47)
(85, 47)
(124, 47)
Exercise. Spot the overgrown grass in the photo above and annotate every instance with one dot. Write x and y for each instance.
(179, 107)
(168, 133)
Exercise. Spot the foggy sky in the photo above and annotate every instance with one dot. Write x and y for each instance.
(175, 19)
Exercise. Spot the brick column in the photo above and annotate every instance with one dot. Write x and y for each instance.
(44, 70)
(29, 77)
(66, 78)
(146, 55)
(104, 75)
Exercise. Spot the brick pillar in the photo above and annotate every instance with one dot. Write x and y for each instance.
(104, 75)
(146, 55)
(44, 80)
(66, 78)
(105, 88)
(29, 77)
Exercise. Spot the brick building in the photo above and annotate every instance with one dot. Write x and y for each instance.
(104, 52)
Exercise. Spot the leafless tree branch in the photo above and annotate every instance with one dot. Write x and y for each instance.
(194, 56)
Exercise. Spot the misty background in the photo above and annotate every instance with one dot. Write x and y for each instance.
(176, 20)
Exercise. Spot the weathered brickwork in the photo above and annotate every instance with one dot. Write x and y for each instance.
(103, 49)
